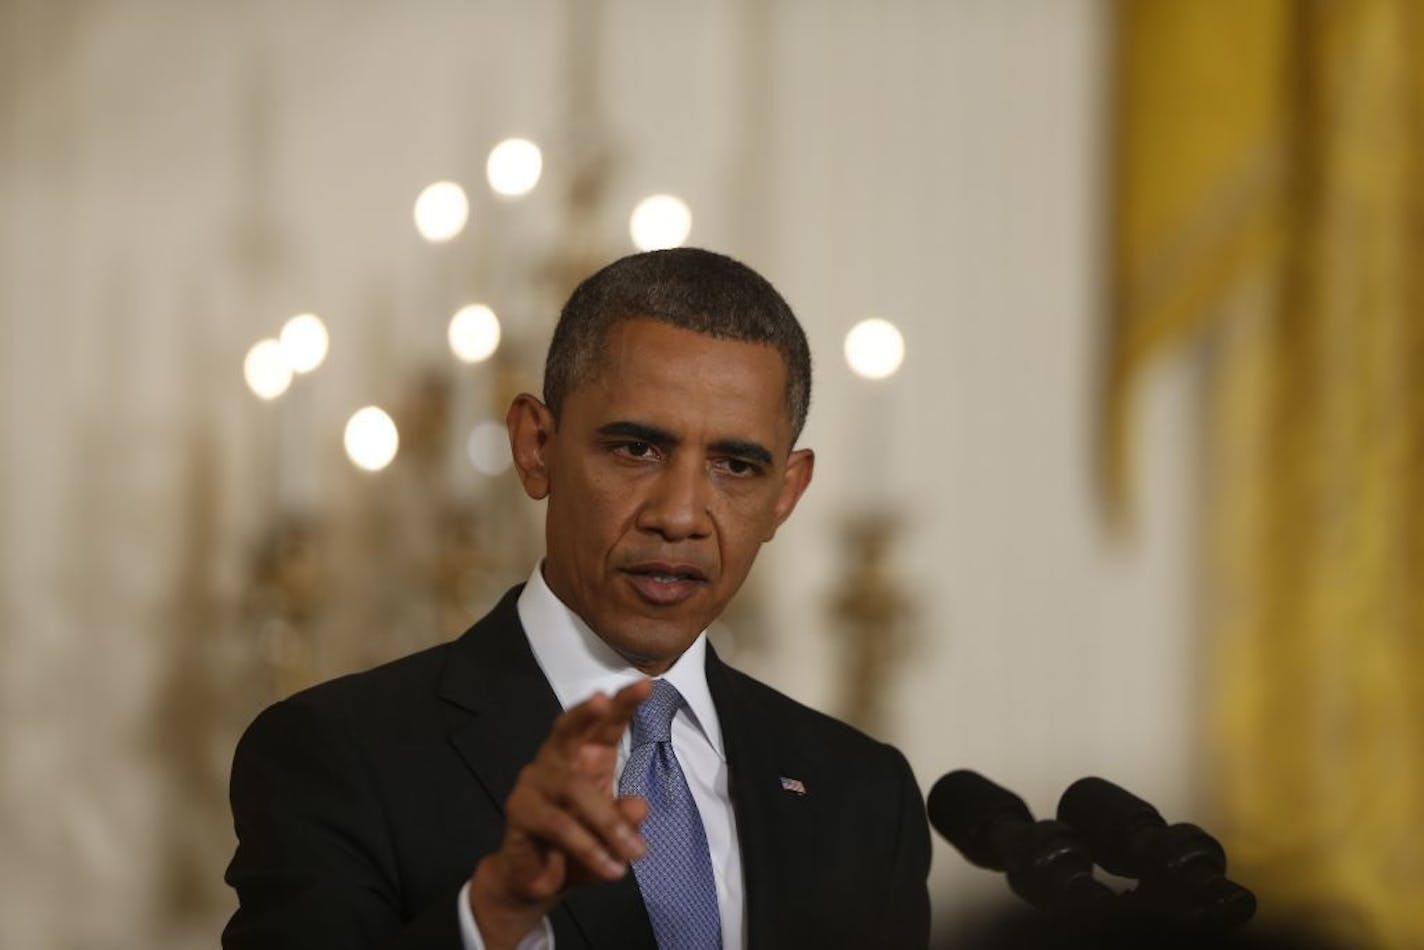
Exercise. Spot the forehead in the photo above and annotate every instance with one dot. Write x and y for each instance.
(650, 371)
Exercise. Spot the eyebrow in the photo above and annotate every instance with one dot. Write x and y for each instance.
(741, 449)
(640, 431)
(643, 432)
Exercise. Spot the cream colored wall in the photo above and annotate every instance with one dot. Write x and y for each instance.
(938, 163)
(946, 169)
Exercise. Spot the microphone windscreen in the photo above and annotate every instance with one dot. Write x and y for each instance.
(964, 805)
(1110, 819)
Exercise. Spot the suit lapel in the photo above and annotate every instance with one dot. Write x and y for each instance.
(493, 677)
(774, 826)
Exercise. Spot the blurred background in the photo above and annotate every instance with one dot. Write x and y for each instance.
(1125, 479)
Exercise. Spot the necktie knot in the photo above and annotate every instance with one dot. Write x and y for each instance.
(652, 722)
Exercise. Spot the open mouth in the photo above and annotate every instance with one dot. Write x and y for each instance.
(668, 571)
(665, 584)
(667, 577)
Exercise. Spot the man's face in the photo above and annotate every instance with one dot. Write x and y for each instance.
(664, 476)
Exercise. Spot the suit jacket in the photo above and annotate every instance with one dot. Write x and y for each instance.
(363, 805)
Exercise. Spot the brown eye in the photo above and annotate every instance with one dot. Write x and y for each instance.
(636, 450)
(739, 468)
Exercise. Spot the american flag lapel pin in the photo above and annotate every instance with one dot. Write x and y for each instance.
(793, 785)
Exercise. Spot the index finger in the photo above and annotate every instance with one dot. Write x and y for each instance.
(609, 729)
(601, 718)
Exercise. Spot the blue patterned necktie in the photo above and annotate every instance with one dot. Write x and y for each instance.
(675, 875)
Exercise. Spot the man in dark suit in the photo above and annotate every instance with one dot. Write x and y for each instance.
(497, 791)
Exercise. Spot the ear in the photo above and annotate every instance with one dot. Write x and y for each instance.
(799, 467)
(530, 425)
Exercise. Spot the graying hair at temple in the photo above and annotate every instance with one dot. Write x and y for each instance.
(687, 287)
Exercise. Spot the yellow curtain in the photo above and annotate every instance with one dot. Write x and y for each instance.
(1269, 208)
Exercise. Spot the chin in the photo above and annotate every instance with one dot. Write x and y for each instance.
(653, 643)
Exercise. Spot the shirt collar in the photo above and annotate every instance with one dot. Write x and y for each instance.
(577, 663)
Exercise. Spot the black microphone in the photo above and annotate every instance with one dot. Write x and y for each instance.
(1180, 868)
(1047, 864)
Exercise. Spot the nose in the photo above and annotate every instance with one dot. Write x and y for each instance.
(678, 503)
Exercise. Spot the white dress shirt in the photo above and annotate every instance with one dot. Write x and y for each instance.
(578, 664)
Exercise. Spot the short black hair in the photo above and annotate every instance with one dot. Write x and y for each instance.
(687, 287)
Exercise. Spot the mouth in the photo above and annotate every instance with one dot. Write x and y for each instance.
(665, 584)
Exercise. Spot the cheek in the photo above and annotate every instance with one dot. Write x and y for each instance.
(599, 513)
(744, 522)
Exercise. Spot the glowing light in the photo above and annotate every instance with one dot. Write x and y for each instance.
(304, 342)
(874, 348)
(474, 333)
(371, 439)
(514, 167)
(441, 211)
(266, 369)
(488, 448)
(660, 221)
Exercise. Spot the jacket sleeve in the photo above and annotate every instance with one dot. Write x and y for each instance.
(907, 909)
(315, 865)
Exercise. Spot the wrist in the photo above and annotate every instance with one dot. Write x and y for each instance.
(502, 916)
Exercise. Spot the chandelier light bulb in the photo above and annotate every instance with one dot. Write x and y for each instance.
(371, 439)
(874, 348)
(660, 221)
(514, 167)
(304, 342)
(266, 370)
(488, 448)
(473, 333)
(441, 211)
